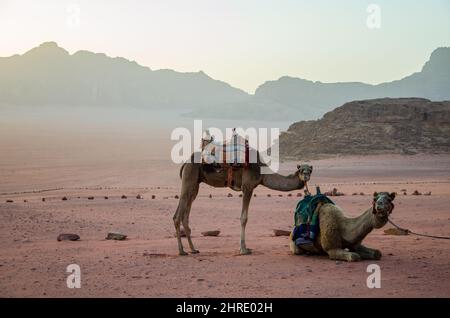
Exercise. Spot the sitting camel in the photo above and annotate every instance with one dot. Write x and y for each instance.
(340, 237)
(244, 179)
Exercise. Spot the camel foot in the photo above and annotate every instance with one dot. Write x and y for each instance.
(245, 251)
(353, 257)
(195, 251)
(182, 253)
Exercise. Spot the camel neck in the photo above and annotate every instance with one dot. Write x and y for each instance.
(359, 227)
(278, 182)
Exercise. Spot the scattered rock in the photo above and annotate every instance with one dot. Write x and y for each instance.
(361, 193)
(9, 201)
(90, 198)
(269, 195)
(68, 237)
(43, 199)
(123, 196)
(116, 236)
(153, 197)
(254, 195)
(176, 196)
(395, 231)
(334, 193)
(280, 195)
(211, 233)
(416, 193)
(210, 196)
(281, 233)
(354, 193)
(299, 194)
(64, 198)
(289, 195)
(106, 198)
(25, 201)
(404, 193)
(229, 195)
(240, 195)
(139, 197)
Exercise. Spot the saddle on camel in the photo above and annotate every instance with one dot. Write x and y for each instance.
(230, 155)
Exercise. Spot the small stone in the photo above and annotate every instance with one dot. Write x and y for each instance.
(268, 195)
(229, 195)
(139, 197)
(106, 198)
(90, 198)
(153, 197)
(43, 199)
(416, 193)
(289, 195)
(299, 194)
(116, 236)
(211, 233)
(68, 237)
(64, 198)
(210, 196)
(123, 196)
(281, 233)
(9, 201)
(176, 196)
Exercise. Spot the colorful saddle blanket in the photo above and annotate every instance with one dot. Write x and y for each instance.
(233, 152)
(306, 219)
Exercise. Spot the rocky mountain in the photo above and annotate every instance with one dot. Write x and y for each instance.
(313, 99)
(49, 75)
(377, 126)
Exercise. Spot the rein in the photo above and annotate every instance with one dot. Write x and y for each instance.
(418, 234)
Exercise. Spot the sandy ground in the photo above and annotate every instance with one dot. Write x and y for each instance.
(46, 157)
(33, 263)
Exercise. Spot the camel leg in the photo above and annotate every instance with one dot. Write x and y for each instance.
(368, 253)
(185, 220)
(182, 206)
(343, 255)
(189, 190)
(244, 216)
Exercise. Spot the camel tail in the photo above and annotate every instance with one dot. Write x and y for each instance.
(181, 171)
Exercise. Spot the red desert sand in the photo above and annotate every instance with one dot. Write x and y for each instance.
(33, 263)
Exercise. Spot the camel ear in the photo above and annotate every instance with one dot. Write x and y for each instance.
(375, 194)
(311, 168)
(392, 195)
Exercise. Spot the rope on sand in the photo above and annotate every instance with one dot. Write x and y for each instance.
(418, 234)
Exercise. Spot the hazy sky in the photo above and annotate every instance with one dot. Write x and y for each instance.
(242, 42)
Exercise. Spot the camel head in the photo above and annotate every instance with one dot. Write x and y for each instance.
(382, 207)
(304, 172)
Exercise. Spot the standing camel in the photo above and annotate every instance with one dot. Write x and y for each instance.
(244, 179)
(340, 237)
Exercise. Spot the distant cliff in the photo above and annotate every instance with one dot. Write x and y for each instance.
(377, 126)
(49, 75)
(312, 99)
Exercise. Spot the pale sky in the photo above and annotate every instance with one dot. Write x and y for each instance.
(242, 42)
